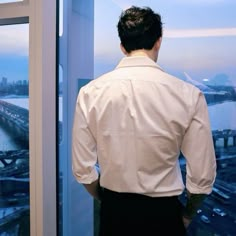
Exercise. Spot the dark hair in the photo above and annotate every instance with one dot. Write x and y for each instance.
(139, 28)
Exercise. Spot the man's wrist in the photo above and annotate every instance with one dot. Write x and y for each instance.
(187, 215)
(194, 201)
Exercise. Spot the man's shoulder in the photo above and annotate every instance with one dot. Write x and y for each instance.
(97, 83)
(176, 81)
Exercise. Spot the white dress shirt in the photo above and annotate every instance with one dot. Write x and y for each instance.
(134, 121)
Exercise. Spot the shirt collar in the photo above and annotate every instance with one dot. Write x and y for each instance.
(137, 61)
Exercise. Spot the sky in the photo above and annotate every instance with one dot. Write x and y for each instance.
(6, 1)
(199, 36)
(199, 39)
(14, 51)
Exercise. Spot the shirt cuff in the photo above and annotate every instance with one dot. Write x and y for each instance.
(195, 189)
(88, 178)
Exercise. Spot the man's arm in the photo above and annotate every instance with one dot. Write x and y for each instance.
(84, 151)
(94, 189)
(194, 201)
(198, 150)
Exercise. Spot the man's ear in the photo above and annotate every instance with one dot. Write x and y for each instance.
(158, 44)
(123, 49)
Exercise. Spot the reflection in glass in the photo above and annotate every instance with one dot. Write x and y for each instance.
(60, 104)
(59, 139)
(14, 131)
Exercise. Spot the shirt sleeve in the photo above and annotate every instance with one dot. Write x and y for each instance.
(84, 154)
(198, 149)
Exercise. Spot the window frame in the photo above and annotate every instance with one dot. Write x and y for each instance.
(41, 16)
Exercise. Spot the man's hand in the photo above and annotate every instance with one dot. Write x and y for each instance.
(194, 201)
(186, 222)
(94, 189)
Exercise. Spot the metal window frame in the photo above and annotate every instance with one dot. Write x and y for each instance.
(41, 16)
(76, 57)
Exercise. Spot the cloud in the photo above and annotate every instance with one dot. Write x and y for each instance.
(199, 33)
(14, 39)
(123, 4)
(197, 2)
(200, 1)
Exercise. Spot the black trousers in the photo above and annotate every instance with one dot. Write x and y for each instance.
(127, 214)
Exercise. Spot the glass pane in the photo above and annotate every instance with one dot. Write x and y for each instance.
(75, 206)
(199, 47)
(7, 1)
(14, 130)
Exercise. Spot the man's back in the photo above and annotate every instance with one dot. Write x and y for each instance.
(138, 116)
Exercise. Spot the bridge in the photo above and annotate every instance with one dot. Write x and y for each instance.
(14, 163)
(14, 193)
(15, 119)
(15, 220)
(225, 135)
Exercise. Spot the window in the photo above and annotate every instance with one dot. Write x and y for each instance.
(198, 47)
(14, 130)
(75, 69)
(40, 53)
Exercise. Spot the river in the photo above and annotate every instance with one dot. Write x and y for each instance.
(222, 116)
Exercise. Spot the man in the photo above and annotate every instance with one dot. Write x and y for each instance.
(134, 121)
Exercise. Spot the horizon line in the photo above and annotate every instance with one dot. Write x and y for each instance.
(199, 33)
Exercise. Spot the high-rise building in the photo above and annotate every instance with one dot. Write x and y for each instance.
(4, 81)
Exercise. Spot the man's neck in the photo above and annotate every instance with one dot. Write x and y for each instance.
(142, 52)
